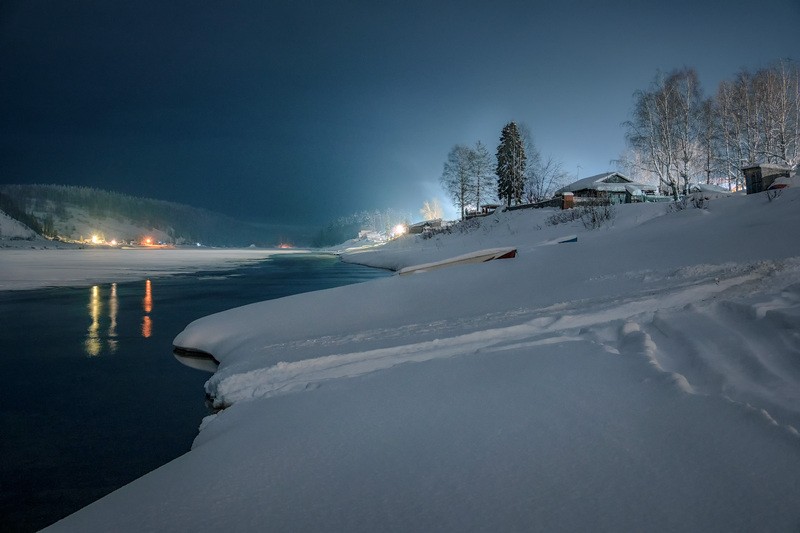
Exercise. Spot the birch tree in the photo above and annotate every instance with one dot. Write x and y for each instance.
(759, 117)
(482, 175)
(456, 177)
(709, 141)
(778, 100)
(543, 175)
(684, 89)
(732, 154)
(432, 210)
(677, 135)
(648, 134)
(664, 128)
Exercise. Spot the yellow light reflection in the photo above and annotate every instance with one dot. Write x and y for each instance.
(113, 308)
(147, 327)
(147, 305)
(92, 343)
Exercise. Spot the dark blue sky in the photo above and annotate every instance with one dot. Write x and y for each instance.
(301, 111)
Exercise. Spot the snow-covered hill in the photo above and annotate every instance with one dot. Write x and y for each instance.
(11, 229)
(80, 213)
(16, 235)
(645, 377)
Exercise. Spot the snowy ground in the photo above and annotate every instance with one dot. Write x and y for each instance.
(645, 377)
(11, 230)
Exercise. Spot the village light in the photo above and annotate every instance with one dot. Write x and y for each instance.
(95, 239)
(398, 230)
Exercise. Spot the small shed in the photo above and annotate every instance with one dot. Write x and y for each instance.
(758, 178)
(425, 225)
(609, 186)
(484, 210)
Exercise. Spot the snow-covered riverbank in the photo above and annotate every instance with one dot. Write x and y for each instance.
(645, 377)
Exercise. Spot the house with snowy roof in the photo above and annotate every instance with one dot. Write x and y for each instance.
(609, 186)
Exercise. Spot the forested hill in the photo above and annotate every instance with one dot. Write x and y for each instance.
(78, 213)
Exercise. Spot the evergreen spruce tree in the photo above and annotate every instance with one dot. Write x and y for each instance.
(510, 165)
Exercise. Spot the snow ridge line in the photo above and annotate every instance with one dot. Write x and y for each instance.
(300, 375)
(285, 377)
(683, 278)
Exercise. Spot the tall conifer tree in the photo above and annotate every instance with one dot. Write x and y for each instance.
(510, 165)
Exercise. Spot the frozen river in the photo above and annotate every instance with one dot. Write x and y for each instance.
(93, 396)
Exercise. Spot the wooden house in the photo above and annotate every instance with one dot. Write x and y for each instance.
(611, 187)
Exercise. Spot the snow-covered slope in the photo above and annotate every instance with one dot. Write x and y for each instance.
(645, 377)
(12, 229)
(79, 224)
(16, 235)
(81, 213)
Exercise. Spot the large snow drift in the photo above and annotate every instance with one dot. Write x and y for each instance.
(645, 377)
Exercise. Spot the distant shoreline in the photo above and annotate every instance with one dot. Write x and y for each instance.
(41, 268)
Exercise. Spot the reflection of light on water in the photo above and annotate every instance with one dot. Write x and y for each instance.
(147, 305)
(92, 343)
(113, 307)
(147, 327)
(95, 341)
(148, 297)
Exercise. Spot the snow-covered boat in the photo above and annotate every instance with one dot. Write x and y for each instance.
(481, 256)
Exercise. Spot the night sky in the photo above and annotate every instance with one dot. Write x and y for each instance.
(298, 112)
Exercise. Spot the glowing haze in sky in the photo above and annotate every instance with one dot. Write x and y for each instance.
(301, 111)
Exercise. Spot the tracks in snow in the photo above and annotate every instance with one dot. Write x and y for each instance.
(712, 329)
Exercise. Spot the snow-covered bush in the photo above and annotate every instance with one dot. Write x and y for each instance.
(562, 217)
(697, 201)
(463, 226)
(595, 216)
(592, 215)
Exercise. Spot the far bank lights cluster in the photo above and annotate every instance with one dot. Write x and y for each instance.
(98, 240)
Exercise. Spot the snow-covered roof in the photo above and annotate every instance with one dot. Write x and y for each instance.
(707, 187)
(783, 182)
(771, 166)
(607, 181)
(434, 222)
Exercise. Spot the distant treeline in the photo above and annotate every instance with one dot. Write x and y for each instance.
(39, 206)
(348, 227)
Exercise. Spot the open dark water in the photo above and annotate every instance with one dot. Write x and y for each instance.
(92, 397)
